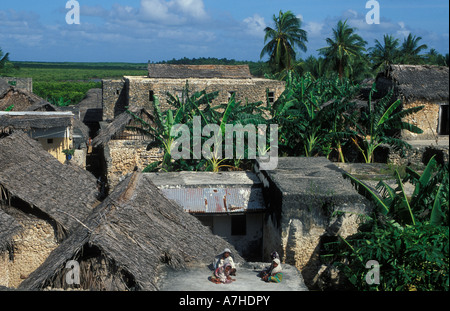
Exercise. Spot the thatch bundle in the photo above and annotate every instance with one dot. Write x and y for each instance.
(8, 228)
(63, 193)
(120, 124)
(106, 134)
(29, 121)
(128, 240)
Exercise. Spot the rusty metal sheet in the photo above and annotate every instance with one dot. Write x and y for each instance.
(216, 200)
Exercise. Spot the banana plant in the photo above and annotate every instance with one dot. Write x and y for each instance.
(430, 194)
(426, 203)
(376, 121)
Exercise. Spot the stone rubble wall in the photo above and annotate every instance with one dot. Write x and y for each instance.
(135, 91)
(20, 83)
(113, 98)
(30, 248)
(426, 119)
(123, 156)
(419, 155)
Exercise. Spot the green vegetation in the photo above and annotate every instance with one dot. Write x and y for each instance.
(375, 124)
(283, 39)
(316, 115)
(64, 93)
(4, 58)
(65, 84)
(408, 237)
(183, 111)
(344, 50)
(311, 114)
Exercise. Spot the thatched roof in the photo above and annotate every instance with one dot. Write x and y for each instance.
(168, 71)
(418, 82)
(42, 106)
(138, 232)
(27, 172)
(35, 120)
(8, 228)
(4, 87)
(20, 98)
(118, 125)
(91, 108)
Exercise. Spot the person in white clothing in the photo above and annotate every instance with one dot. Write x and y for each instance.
(224, 258)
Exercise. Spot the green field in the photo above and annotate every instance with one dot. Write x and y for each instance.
(67, 83)
(76, 72)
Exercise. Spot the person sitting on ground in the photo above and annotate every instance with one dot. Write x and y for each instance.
(224, 258)
(269, 269)
(222, 275)
(275, 276)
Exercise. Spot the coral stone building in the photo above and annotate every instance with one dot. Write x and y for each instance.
(140, 92)
(421, 85)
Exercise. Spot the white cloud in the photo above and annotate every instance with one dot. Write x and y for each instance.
(174, 11)
(255, 25)
(403, 31)
(314, 29)
(194, 8)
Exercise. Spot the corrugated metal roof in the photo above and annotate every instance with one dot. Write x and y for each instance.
(217, 200)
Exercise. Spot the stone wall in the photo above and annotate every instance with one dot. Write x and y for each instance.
(419, 155)
(308, 200)
(123, 156)
(427, 119)
(114, 98)
(30, 248)
(20, 83)
(253, 90)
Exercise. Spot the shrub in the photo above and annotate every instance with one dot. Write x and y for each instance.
(408, 237)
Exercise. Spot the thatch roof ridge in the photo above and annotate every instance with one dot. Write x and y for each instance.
(8, 228)
(65, 193)
(34, 121)
(42, 106)
(171, 71)
(116, 126)
(140, 231)
(93, 99)
(427, 82)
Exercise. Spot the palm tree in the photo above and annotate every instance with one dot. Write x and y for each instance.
(411, 49)
(3, 59)
(282, 40)
(343, 48)
(433, 57)
(385, 54)
(313, 65)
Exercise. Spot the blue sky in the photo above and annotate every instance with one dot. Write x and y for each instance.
(142, 30)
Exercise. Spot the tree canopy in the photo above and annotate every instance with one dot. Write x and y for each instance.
(282, 39)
